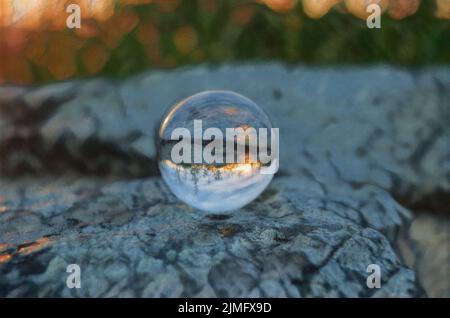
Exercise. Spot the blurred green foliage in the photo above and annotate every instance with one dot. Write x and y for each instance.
(171, 33)
(292, 37)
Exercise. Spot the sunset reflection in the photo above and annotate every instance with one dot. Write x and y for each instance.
(230, 183)
(5, 258)
(35, 246)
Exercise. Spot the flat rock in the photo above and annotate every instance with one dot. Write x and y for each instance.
(379, 125)
(425, 247)
(133, 238)
(79, 185)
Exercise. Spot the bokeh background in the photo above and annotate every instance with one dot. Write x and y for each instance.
(122, 37)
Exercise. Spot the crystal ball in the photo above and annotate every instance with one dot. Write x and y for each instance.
(207, 153)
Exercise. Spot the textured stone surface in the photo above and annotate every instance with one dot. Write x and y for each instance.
(351, 139)
(133, 238)
(377, 125)
(425, 246)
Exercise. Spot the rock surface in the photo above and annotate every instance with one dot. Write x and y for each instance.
(379, 125)
(425, 246)
(133, 238)
(80, 185)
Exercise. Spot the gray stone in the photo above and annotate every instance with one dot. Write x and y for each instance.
(79, 184)
(292, 241)
(378, 125)
(425, 247)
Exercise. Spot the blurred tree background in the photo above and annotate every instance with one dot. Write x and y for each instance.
(122, 37)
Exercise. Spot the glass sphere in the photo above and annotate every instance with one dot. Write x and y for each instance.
(222, 184)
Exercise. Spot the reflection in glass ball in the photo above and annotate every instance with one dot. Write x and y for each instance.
(220, 185)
